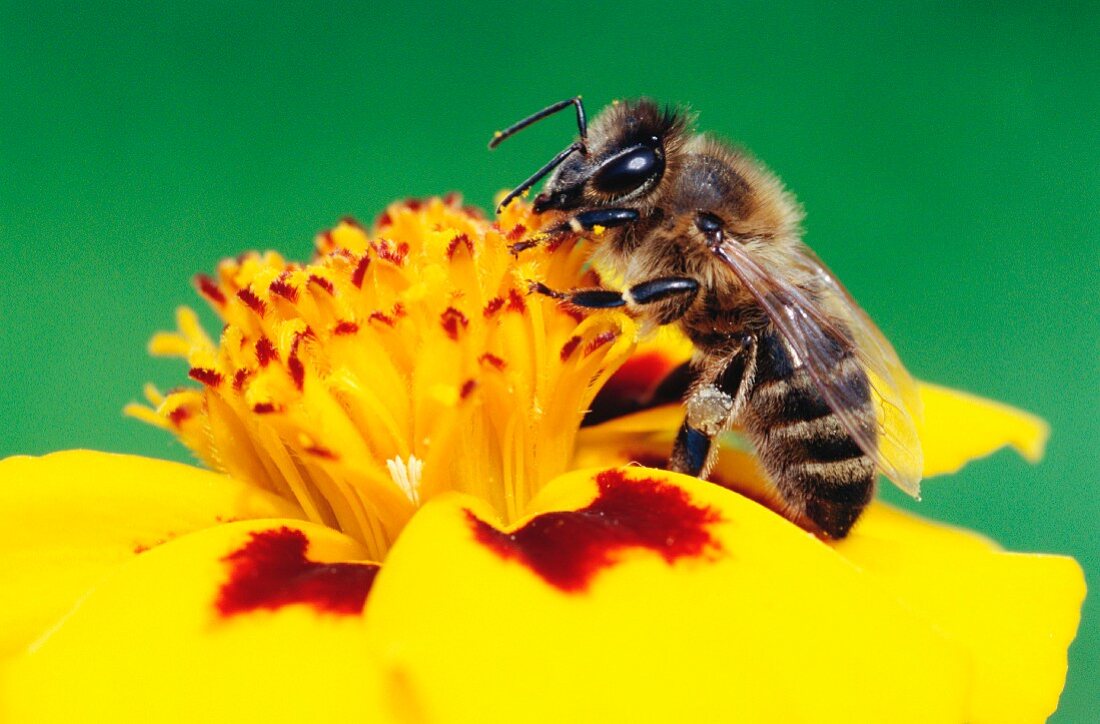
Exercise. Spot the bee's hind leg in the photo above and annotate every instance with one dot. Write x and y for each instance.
(711, 404)
(708, 413)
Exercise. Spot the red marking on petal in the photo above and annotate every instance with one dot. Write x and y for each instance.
(284, 288)
(209, 377)
(492, 359)
(642, 373)
(272, 571)
(179, 415)
(383, 318)
(460, 241)
(240, 377)
(294, 364)
(399, 310)
(297, 371)
(345, 328)
(322, 282)
(473, 212)
(385, 249)
(453, 321)
(320, 451)
(266, 408)
(352, 221)
(517, 232)
(209, 289)
(601, 339)
(567, 548)
(467, 389)
(452, 198)
(265, 351)
(569, 347)
(253, 302)
(516, 302)
(360, 271)
(413, 204)
(493, 306)
(384, 219)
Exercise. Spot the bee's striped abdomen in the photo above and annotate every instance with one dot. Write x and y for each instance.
(818, 467)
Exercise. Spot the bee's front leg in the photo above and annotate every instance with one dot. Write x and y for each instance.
(584, 221)
(711, 404)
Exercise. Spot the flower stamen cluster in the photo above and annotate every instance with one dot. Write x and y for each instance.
(398, 364)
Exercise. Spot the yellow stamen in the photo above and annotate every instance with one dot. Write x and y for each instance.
(395, 366)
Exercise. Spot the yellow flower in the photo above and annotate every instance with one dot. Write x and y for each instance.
(409, 524)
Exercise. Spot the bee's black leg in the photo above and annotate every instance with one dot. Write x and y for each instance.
(675, 293)
(711, 406)
(587, 298)
(708, 412)
(584, 221)
(665, 299)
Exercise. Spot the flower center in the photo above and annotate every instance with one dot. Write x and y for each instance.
(397, 365)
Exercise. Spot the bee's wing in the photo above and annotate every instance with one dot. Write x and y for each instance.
(813, 339)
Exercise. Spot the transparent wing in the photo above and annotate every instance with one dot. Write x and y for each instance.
(809, 327)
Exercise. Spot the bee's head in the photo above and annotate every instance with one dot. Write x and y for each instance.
(620, 162)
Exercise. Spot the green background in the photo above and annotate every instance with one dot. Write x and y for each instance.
(948, 159)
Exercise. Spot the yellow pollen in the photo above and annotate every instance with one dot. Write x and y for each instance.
(398, 364)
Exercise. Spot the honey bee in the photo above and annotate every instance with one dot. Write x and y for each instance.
(702, 235)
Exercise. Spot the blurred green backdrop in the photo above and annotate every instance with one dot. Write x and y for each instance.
(948, 158)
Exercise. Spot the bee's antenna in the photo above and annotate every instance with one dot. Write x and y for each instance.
(582, 124)
(537, 175)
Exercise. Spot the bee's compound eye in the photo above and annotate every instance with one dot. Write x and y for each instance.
(627, 171)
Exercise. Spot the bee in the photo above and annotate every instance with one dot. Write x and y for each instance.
(703, 236)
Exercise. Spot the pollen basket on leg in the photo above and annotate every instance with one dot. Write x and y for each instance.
(399, 363)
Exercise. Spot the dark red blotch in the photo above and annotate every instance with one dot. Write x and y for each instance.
(209, 289)
(272, 571)
(643, 382)
(568, 548)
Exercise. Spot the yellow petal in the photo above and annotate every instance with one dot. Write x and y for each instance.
(71, 517)
(660, 598)
(959, 427)
(241, 622)
(1017, 613)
